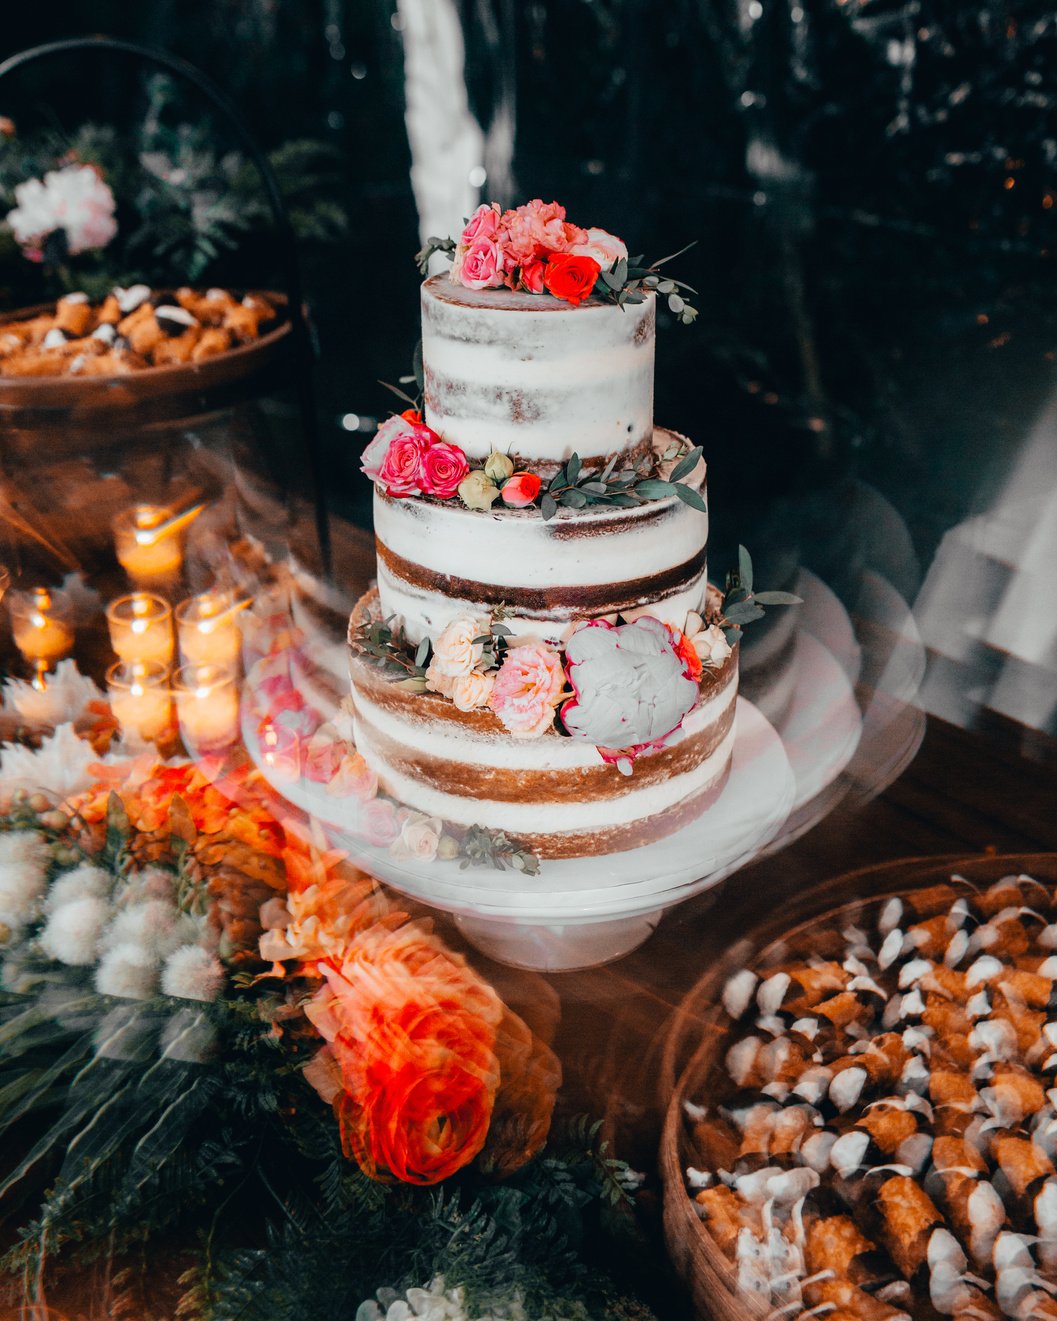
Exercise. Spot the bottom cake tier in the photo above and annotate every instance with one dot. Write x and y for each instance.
(555, 795)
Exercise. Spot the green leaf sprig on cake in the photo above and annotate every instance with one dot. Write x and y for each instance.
(741, 605)
(534, 249)
(407, 458)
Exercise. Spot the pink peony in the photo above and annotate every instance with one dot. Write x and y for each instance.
(480, 268)
(75, 200)
(381, 824)
(483, 224)
(631, 686)
(443, 468)
(527, 689)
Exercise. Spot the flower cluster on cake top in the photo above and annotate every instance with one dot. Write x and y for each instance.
(535, 249)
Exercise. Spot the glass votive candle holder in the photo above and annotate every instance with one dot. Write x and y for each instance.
(140, 699)
(281, 750)
(149, 545)
(141, 628)
(208, 629)
(42, 623)
(207, 707)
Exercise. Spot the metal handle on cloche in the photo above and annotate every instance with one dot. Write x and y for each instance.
(283, 229)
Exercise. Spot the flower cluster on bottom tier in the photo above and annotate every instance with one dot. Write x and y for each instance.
(555, 794)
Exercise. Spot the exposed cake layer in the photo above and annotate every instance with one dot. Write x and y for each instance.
(438, 560)
(553, 793)
(536, 377)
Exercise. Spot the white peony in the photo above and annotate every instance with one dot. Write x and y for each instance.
(71, 934)
(605, 248)
(84, 881)
(74, 199)
(63, 701)
(629, 682)
(128, 972)
(192, 973)
(58, 768)
(24, 857)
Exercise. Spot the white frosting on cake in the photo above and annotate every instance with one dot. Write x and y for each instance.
(440, 560)
(533, 376)
(564, 812)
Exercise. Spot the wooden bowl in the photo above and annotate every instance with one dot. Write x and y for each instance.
(695, 1047)
(77, 413)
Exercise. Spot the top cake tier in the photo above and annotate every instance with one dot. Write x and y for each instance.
(537, 378)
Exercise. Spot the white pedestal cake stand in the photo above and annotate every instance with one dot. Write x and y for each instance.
(578, 912)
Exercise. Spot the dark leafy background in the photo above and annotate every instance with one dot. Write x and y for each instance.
(871, 185)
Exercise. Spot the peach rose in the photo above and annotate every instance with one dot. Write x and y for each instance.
(708, 641)
(605, 248)
(534, 230)
(418, 838)
(521, 490)
(354, 777)
(527, 688)
(480, 268)
(455, 652)
(471, 691)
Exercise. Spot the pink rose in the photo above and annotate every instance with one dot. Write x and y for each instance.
(483, 224)
(481, 266)
(527, 689)
(381, 825)
(401, 470)
(393, 458)
(605, 248)
(443, 468)
(521, 489)
(532, 275)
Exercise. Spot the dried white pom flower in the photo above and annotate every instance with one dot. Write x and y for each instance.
(83, 880)
(192, 973)
(155, 924)
(24, 859)
(127, 971)
(71, 934)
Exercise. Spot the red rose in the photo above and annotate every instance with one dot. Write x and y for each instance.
(521, 489)
(443, 468)
(571, 277)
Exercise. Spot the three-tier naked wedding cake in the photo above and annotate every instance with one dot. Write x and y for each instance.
(542, 654)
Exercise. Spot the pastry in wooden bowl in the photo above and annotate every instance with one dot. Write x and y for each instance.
(868, 1128)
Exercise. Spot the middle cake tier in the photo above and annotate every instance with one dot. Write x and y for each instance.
(438, 561)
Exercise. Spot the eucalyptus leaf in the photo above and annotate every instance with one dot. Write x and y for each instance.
(422, 652)
(611, 279)
(691, 497)
(675, 303)
(745, 568)
(594, 487)
(623, 500)
(744, 612)
(548, 507)
(778, 598)
(687, 464)
(574, 499)
(652, 488)
(572, 469)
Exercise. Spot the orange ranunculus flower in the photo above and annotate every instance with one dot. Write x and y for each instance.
(413, 1030)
